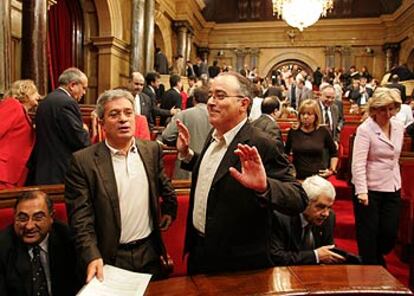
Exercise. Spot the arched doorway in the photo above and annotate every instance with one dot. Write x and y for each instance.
(65, 38)
(290, 64)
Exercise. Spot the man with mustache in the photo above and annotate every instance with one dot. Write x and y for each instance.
(308, 237)
(112, 192)
(37, 256)
(238, 179)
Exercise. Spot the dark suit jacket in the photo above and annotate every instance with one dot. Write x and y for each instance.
(401, 88)
(171, 98)
(59, 133)
(337, 120)
(238, 221)
(287, 237)
(146, 107)
(161, 63)
(92, 199)
(16, 269)
(271, 128)
(156, 111)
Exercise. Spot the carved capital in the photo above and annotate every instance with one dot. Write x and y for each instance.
(183, 26)
(391, 46)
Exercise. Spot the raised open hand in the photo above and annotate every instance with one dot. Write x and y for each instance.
(183, 139)
(253, 174)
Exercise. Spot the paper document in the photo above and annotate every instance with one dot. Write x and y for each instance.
(117, 281)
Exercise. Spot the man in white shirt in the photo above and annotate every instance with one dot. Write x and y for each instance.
(37, 256)
(112, 192)
(228, 220)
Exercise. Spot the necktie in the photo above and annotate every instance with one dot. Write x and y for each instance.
(308, 243)
(38, 275)
(327, 121)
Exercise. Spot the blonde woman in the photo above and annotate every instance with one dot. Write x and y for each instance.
(16, 132)
(376, 176)
(308, 143)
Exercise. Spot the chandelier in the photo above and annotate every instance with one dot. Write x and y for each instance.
(301, 13)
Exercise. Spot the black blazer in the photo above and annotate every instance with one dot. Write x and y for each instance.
(337, 120)
(59, 133)
(287, 238)
(271, 128)
(146, 108)
(401, 88)
(15, 266)
(171, 98)
(238, 222)
(155, 110)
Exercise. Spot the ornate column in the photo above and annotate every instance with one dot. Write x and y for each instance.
(330, 56)
(34, 32)
(254, 57)
(240, 55)
(189, 45)
(346, 57)
(391, 55)
(5, 47)
(137, 57)
(182, 28)
(149, 35)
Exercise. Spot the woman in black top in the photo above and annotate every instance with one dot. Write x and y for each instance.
(309, 142)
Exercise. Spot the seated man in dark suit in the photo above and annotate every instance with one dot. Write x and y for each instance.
(267, 121)
(308, 237)
(37, 256)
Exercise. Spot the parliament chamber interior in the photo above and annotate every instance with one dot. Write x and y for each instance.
(314, 69)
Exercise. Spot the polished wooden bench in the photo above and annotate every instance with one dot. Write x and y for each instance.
(293, 280)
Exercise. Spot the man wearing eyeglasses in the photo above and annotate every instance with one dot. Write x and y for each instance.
(37, 256)
(238, 179)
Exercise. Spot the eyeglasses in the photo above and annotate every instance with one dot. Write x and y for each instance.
(221, 96)
(23, 218)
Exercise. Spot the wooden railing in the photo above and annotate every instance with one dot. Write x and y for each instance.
(56, 192)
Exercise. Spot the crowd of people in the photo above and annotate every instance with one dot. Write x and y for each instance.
(256, 199)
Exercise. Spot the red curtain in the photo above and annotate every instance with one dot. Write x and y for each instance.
(60, 45)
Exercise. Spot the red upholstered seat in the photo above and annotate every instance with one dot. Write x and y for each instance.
(174, 237)
(405, 234)
(169, 162)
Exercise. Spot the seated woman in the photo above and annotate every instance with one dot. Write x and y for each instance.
(16, 132)
(309, 142)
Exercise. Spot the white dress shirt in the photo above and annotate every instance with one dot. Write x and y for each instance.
(133, 193)
(137, 104)
(208, 169)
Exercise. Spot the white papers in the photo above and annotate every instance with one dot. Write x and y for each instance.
(118, 282)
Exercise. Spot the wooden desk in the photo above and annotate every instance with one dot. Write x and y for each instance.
(294, 280)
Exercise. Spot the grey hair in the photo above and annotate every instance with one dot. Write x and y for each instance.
(315, 185)
(138, 75)
(71, 75)
(325, 87)
(245, 85)
(111, 95)
(29, 195)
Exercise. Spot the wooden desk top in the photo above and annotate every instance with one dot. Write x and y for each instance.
(294, 280)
